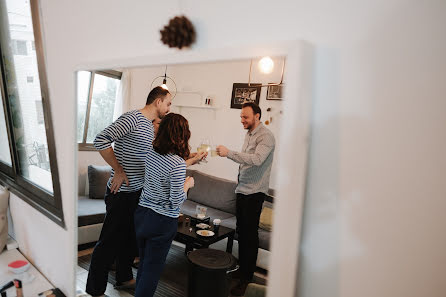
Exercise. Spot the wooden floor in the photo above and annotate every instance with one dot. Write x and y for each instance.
(82, 274)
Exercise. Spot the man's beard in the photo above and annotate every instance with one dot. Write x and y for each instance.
(161, 115)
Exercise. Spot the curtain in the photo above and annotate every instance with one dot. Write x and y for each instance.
(122, 102)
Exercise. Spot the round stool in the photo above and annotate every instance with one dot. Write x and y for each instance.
(210, 273)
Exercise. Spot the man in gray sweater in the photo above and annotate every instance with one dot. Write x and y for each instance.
(255, 159)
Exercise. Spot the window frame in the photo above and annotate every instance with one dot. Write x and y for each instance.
(49, 204)
(84, 146)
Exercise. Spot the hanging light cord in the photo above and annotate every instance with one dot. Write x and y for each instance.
(165, 76)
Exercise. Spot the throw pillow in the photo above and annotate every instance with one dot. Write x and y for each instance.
(97, 180)
(266, 217)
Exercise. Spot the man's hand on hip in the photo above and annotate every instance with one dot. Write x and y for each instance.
(222, 151)
(118, 179)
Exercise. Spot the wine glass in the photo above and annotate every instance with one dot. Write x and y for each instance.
(205, 146)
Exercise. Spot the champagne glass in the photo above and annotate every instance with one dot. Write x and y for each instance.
(205, 146)
(214, 151)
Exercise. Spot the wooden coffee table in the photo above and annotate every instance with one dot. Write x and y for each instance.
(192, 240)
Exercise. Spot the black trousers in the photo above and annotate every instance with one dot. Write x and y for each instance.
(154, 233)
(116, 242)
(248, 212)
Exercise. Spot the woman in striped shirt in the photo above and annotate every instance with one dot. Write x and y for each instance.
(164, 191)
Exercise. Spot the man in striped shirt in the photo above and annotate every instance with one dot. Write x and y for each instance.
(255, 162)
(133, 134)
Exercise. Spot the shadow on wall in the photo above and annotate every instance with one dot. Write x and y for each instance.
(319, 253)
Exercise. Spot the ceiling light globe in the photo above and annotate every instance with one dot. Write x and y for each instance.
(164, 86)
(266, 65)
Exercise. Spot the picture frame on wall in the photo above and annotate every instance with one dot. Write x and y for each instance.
(242, 93)
(274, 92)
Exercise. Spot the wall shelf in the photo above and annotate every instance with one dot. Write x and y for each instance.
(191, 99)
(195, 106)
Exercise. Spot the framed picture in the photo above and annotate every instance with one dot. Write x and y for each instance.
(274, 93)
(242, 93)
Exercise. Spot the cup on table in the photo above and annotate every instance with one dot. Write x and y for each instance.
(216, 223)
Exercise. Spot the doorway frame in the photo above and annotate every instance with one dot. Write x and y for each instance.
(293, 147)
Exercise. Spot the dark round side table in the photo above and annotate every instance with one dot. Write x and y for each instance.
(210, 273)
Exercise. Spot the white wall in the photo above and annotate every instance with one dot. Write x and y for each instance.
(374, 218)
(222, 125)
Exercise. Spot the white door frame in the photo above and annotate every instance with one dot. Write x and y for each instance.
(292, 150)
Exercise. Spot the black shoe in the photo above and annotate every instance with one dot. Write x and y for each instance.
(239, 289)
(122, 286)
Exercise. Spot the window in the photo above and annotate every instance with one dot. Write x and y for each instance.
(5, 152)
(97, 92)
(27, 154)
(19, 47)
(29, 79)
(39, 111)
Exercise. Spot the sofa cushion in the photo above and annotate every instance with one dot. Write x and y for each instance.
(230, 223)
(98, 177)
(264, 239)
(266, 217)
(213, 191)
(90, 211)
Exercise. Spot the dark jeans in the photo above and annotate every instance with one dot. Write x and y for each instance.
(154, 233)
(116, 242)
(248, 212)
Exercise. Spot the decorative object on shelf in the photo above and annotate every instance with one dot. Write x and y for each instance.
(165, 82)
(242, 93)
(274, 92)
(178, 33)
(266, 65)
(208, 101)
(269, 117)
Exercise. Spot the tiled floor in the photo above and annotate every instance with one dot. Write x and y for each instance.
(81, 276)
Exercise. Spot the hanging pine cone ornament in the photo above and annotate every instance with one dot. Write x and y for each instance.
(178, 33)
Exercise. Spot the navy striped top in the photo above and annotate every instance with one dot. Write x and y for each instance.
(163, 190)
(133, 135)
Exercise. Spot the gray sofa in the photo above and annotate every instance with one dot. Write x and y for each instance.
(215, 193)
(218, 195)
(91, 206)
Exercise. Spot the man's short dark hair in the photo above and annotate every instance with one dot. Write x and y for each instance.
(157, 92)
(255, 108)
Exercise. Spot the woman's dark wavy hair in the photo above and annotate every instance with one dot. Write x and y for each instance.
(173, 136)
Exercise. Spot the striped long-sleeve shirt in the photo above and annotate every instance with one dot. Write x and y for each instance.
(163, 190)
(133, 135)
(255, 159)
